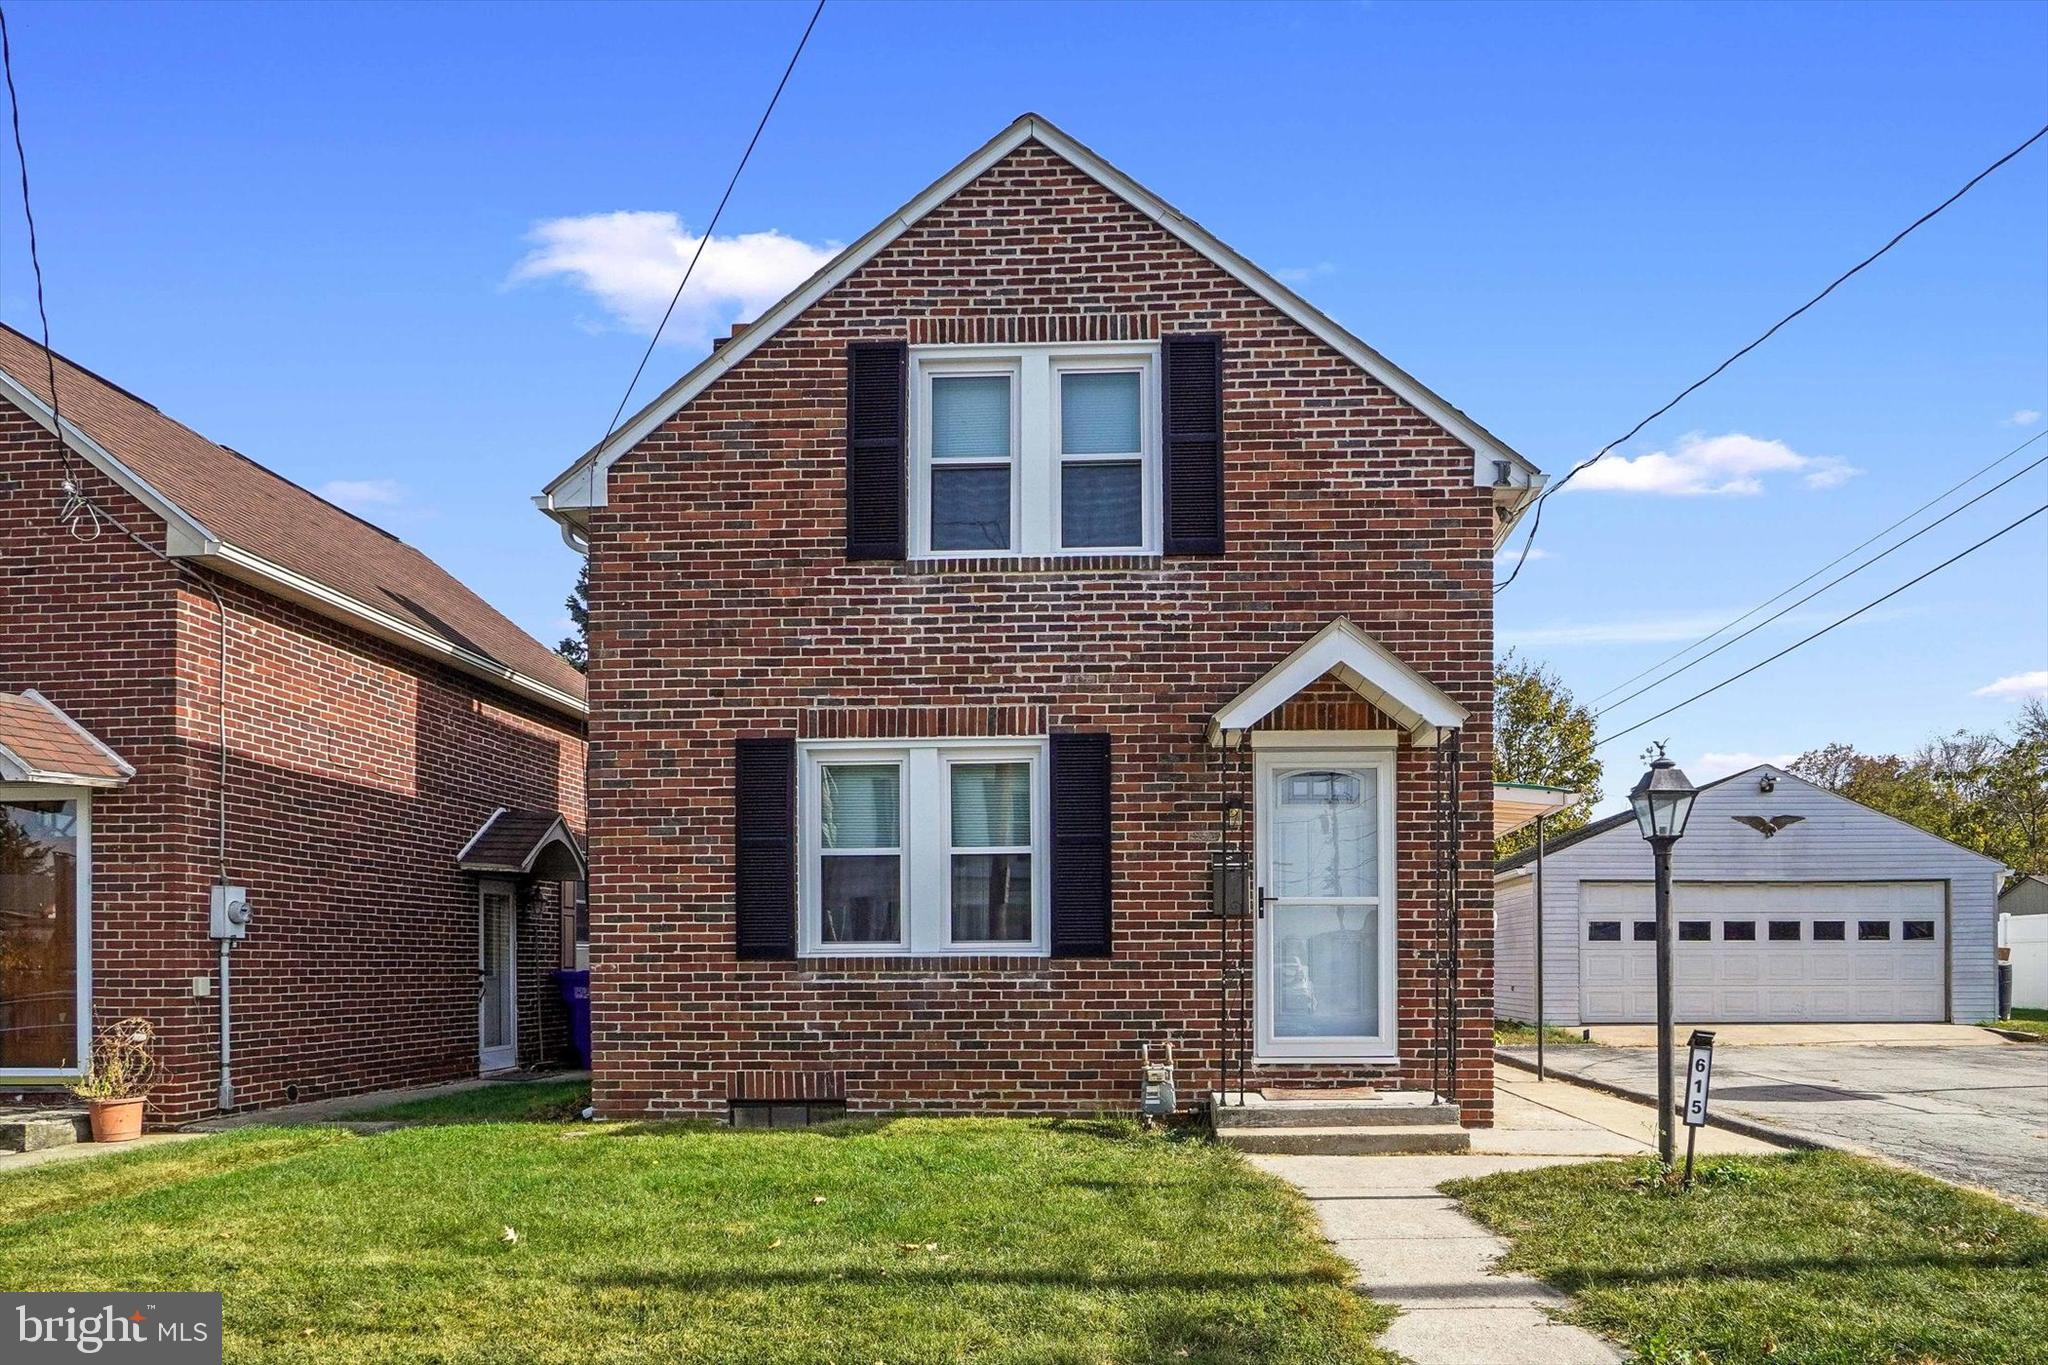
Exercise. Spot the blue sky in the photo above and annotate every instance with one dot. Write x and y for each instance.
(405, 254)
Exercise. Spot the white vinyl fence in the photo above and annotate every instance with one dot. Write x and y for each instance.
(2027, 937)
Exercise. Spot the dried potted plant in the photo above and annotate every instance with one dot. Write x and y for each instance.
(116, 1079)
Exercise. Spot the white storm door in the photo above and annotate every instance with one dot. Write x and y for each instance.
(497, 1010)
(1325, 927)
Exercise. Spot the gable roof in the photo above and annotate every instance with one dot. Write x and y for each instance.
(226, 511)
(1601, 826)
(582, 484)
(1362, 664)
(39, 743)
(525, 842)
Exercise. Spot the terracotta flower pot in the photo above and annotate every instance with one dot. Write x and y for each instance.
(115, 1120)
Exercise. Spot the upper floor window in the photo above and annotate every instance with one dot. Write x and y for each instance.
(1034, 450)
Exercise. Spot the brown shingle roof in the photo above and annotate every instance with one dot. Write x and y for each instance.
(249, 507)
(39, 743)
(515, 839)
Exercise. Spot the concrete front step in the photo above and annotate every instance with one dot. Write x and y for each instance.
(1396, 1109)
(36, 1129)
(1349, 1140)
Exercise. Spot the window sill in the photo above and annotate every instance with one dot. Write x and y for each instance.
(1032, 566)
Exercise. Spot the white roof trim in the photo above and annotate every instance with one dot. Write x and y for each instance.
(582, 485)
(481, 831)
(186, 538)
(1366, 666)
(1516, 804)
(14, 768)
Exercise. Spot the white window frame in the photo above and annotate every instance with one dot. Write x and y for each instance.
(1036, 461)
(925, 842)
(83, 930)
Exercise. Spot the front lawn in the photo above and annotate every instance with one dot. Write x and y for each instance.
(523, 1102)
(1814, 1257)
(903, 1241)
(2024, 1021)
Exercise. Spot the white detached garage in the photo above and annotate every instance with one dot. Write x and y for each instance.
(1791, 904)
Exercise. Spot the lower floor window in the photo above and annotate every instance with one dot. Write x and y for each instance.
(923, 848)
(43, 866)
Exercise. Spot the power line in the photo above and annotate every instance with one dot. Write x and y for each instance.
(35, 258)
(1680, 653)
(1537, 521)
(705, 240)
(1839, 621)
(1831, 583)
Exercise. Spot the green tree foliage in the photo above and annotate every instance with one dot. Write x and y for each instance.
(1987, 791)
(576, 648)
(1540, 734)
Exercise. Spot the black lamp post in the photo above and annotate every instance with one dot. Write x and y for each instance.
(1663, 799)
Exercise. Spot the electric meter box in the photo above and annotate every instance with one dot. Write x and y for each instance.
(230, 912)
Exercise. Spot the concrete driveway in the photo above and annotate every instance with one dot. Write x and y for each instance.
(1966, 1111)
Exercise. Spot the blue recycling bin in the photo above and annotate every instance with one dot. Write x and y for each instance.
(575, 988)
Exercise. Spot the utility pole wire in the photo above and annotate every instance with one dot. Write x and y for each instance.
(1872, 540)
(1839, 621)
(1831, 583)
(1536, 522)
(35, 258)
(704, 241)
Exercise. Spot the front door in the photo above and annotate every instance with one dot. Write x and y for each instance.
(1325, 949)
(497, 1017)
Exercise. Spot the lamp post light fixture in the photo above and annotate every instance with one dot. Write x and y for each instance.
(1663, 799)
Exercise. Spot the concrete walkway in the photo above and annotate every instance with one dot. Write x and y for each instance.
(1414, 1249)
(1973, 1114)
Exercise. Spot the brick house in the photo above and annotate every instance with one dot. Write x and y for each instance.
(1039, 636)
(359, 754)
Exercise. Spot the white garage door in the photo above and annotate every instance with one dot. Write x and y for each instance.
(1766, 952)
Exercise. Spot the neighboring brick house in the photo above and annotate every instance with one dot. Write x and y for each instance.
(378, 717)
(953, 618)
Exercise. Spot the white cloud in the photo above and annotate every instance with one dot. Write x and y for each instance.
(1701, 465)
(630, 263)
(1711, 765)
(2025, 417)
(1680, 626)
(2018, 687)
(1510, 554)
(1302, 274)
(362, 495)
(1640, 630)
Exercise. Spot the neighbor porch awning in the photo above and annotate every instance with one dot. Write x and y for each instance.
(525, 843)
(39, 743)
(1364, 665)
(1516, 804)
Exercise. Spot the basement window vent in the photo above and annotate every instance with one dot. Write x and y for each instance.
(785, 1113)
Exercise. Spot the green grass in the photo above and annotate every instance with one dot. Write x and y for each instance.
(1515, 1033)
(525, 1102)
(1815, 1257)
(899, 1241)
(2023, 1021)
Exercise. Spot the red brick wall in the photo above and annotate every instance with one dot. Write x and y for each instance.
(356, 772)
(722, 605)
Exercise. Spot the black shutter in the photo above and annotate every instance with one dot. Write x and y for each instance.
(876, 420)
(764, 848)
(1080, 845)
(1191, 389)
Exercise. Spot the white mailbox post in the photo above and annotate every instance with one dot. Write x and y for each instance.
(1699, 1074)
